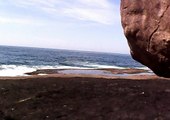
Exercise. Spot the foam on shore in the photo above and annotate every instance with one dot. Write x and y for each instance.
(20, 70)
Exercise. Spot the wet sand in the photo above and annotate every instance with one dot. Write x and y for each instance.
(84, 97)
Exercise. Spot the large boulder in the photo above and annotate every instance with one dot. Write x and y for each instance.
(146, 26)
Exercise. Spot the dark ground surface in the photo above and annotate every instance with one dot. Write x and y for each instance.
(84, 99)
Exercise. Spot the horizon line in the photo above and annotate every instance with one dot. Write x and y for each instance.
(78, 50)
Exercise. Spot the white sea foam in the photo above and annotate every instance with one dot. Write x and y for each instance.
(20, 70)
(44, 67)
(143, 68)
(106, 66)
(69, 67)
(42, 74)
(13, 70)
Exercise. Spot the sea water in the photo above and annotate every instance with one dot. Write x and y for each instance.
(15, 61)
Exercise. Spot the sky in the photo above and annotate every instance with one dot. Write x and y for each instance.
(90, 25)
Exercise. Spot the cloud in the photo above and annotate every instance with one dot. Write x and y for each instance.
(23, 21)
(92, 10)
(99, 16)
(5, 20)
(99, 11)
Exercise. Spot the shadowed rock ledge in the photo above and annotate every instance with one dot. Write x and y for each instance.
(147, 29)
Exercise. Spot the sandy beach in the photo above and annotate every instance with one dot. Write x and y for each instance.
(83, 97)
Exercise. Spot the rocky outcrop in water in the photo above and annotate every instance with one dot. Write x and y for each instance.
(146, 26)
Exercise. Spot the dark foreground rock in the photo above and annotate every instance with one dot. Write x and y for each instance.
(80, 98)
(147, 27)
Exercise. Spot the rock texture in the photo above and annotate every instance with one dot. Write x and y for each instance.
(146, 26)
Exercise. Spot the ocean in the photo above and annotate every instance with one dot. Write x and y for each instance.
(15, 61)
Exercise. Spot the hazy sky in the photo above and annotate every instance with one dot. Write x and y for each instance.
(92, 25)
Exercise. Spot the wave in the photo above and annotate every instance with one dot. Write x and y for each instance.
(145, 68)
(13, 70)
(20, 70)
(106, 66)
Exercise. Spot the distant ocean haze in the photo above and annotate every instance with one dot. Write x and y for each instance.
(15, 61)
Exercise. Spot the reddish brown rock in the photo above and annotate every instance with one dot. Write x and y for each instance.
(146, 26)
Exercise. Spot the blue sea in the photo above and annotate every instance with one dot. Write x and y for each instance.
(15, 61)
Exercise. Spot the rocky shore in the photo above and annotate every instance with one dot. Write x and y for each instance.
(83, 97)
